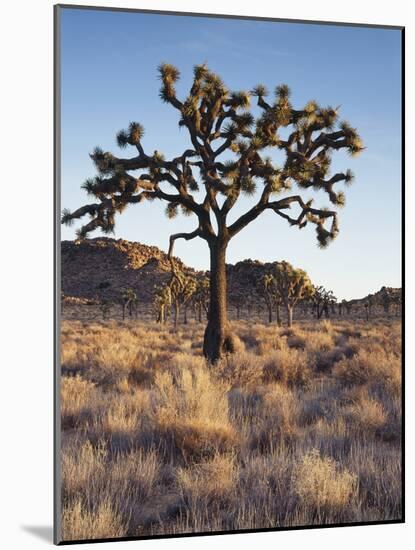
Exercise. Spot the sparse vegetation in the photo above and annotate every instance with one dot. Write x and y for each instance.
(299, 426)
(171, 427)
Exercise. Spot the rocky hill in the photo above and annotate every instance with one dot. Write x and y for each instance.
(100, 268)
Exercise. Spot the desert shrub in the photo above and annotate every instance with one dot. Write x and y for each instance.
(367, 415)
(193, 439)
(137, 473)
(374, 366)
(140, 376)
(79, 523)
(317, 341)
(121, 422)
(326, 326)
(93, 475)
(290, 367)
(192, 363)
(191, 414)
(271, 342)
(276, 422)
(82, 467)
(78, 397)
(316, 405)
(207, 483)
(240, 369)
(319, 483)
(325, 360)
(296, 341)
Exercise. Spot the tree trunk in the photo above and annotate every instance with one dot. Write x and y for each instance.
(217, 339)
(277, 310)
(176, 314)
(185, 315)
(289, 316)
(269, 306)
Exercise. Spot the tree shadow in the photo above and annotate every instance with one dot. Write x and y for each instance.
(43, 532)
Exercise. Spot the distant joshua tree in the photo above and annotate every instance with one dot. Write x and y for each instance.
(268, 293)
(201, 297)
(292, 285)
(323, 301)
(162, 303)
(386, 299)
(238, 299)
(182, 288)
(342, 306)
(129, 302)
(218, 122)
(105, 306)
(271, 296)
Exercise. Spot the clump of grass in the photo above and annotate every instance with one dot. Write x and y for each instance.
(240, 369)
(367, 415)
(371, 366)
(192, 414)
(78, 396)
(276, 422)
(80, 523)
(209, 482)
(320, 483)
(290, 367)
(318, 341)
(297, 341)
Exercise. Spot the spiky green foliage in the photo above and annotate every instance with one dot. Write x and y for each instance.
(172, 210)
(282, 91)
(66, 217)
(259, 91)
(168, 71)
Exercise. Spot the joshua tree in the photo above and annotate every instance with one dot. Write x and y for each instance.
(237, 299)
(162, 303)
(182, 288)
(201, 297)
(342, 305)
(292, 285)
(369, 305)
(242, 279)
(322, 300)
(271, 296)
(129, 302)
(349, 307)
(397, 301)
(268, 292)
(105, 306)
(386, 299)
(218, 122)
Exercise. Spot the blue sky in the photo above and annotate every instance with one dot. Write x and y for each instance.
(109, 78)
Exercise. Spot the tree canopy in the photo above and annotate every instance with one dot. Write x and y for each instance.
(219, 120)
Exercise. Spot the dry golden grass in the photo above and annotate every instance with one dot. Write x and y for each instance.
(319, 484)
(301, 426)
